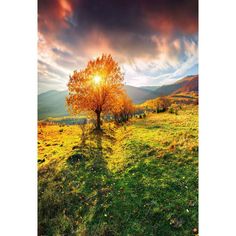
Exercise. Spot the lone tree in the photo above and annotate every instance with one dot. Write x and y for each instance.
(96, 89)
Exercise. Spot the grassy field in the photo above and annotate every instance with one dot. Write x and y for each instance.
(136, 179)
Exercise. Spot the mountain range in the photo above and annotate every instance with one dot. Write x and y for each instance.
(52, 103)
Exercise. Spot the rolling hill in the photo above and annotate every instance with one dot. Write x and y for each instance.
(150, 88)
(52, 103)
(138, 95)
(185, 85)
(190, 84)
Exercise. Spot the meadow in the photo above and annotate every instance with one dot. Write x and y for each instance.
(140, 178)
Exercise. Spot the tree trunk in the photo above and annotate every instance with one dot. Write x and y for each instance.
(98, 120)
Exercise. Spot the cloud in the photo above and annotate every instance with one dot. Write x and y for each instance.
(172, 16)
(166, 66)
(153, 40)
(53, 15)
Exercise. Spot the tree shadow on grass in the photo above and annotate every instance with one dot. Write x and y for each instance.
(73, 200)
(83, 197)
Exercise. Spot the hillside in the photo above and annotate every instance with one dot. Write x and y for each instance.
(150, 88)
(52, 103)
(138, 95)
(190, 84)
(136, 179)
(185, 85)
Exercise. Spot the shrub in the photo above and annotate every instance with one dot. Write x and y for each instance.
(173, 109)
(161, 104)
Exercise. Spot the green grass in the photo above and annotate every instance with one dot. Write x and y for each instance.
(137, 179)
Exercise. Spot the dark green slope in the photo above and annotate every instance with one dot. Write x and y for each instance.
(52, 104)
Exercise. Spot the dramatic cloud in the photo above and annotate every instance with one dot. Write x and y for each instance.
(155, 41)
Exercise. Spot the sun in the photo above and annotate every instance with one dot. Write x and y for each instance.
(97, 79)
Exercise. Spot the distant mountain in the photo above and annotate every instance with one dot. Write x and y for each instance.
(150, 88)
(187, 84)
(52, 103)
(137, 94)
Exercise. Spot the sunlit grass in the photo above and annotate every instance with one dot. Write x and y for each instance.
(136, 179)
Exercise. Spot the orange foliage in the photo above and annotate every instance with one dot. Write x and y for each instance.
(126, 109)
(159, 104)
(97, 88)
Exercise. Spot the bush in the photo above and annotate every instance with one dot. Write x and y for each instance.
(173, 109)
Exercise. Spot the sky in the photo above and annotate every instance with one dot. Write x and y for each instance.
(155, 42)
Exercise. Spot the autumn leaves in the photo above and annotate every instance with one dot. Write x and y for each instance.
(98, 89)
